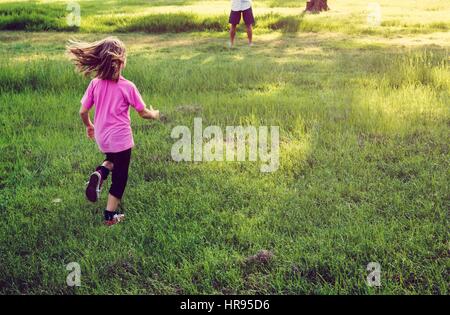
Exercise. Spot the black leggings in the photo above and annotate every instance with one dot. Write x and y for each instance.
(121, 161)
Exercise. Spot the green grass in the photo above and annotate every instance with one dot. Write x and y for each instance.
(191, 16)
(364, 172)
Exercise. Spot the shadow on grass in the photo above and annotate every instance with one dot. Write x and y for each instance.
(287, 24)
(52, 17)
(33, 17)
(174, 23)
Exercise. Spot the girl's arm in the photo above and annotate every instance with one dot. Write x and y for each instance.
(149, 113)
(84, 114)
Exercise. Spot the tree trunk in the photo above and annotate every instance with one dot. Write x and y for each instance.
(315, 6)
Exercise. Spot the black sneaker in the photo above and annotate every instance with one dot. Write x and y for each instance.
(94, 187)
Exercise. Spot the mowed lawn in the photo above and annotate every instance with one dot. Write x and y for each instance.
(364, 158)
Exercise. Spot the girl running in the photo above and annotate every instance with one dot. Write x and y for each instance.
(112, 95)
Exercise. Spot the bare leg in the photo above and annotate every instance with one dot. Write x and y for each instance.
(232, 34)
(113, 203)
(108, 165)
(250, 34)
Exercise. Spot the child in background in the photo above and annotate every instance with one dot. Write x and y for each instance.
(241, 8)
(112, 95)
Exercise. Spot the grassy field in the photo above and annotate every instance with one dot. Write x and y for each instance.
(159, 16)
(364, 167)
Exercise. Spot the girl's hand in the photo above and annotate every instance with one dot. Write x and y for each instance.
(90, 131)
(154, 114)
(149, 113)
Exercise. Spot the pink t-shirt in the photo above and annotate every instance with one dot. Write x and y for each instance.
(112, 116)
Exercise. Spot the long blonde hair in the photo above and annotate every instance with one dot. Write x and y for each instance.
(105, 57)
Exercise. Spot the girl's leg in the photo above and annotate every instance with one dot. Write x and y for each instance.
(96, 180)
(113, 203)
(119, 182)
(109, 165)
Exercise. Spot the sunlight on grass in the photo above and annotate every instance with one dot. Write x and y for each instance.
(116, 16)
